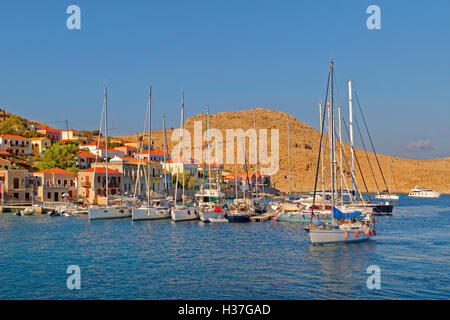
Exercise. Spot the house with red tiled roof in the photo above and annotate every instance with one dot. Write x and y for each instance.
(86, 159)
(92, 146)
(55, 184)
(4, 154)
(16, 145)
(53, 134)
(72, 135)
(110, 153)
(92, 184)
(178, 166)
(153, 155)
(128, 151)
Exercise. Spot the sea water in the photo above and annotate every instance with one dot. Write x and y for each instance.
(124, 259)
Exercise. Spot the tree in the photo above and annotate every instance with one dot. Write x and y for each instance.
(189, 181)
(60, 155)
(16, 125)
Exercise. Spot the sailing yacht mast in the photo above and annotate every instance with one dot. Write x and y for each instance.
(149, 142)
(340, 157)
(333, 151)
(350, 121)
(164, 150)
(256, 153)
(289, 153)
(182, 137)
(321, 151)
(106, 144)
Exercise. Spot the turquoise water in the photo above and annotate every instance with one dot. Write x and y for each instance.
(122, 259)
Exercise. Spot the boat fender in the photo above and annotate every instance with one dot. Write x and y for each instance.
(366, 232)
(374, 232)
(356, 234)
(370, 232)
(346, 235)
(328, 227)
(312, 226)
(326, 215)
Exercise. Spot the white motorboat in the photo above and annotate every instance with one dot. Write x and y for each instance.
(419, 192)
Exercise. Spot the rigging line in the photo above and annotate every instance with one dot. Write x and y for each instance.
(371, 142)
(357, 162)
(320, 145)
(367, 156)
(353, 178)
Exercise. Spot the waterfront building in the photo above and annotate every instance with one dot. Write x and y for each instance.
(128, 166)
(52, 184)
(16, 185)
(92, 184)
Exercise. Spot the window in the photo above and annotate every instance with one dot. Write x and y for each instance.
(49, 195)
(16, 183)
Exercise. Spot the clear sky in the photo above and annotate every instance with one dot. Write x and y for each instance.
(231, 55)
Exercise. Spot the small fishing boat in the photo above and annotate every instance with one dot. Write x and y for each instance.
(28, 212)
(419, 192)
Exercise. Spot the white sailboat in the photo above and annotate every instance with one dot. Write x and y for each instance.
(210, 195)
(122, 206)
(182, 212)
(343, 227)
(387, 195)
(154, 208)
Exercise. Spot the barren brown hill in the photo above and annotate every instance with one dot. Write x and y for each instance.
(304, 144)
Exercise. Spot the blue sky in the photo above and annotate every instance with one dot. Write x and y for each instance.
(231, 55)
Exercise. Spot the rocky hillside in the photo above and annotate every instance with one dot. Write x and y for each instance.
(304, 145)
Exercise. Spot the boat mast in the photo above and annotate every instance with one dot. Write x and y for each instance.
(256, 153)
(106, 145)
(350, 123)
(182, 132)
(289, 153)
(164, 150)
(340, 157)
(333, 147)
(209, 153)
(321, 151)
(149, 141)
